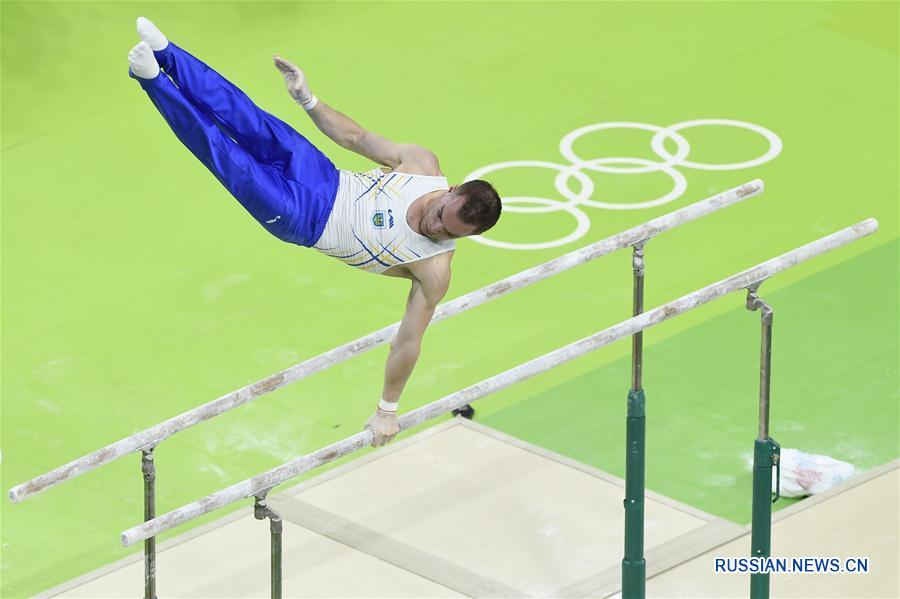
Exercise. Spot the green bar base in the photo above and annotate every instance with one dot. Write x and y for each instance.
(633, 563)
(765, 455)
(634, 579)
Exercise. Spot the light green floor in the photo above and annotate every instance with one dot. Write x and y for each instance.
(135, 288)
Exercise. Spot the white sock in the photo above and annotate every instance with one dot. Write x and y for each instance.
(151, 34)
(143, 63)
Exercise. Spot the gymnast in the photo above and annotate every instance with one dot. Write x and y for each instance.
(399, 221)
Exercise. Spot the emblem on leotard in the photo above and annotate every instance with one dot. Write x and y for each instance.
(380, 222)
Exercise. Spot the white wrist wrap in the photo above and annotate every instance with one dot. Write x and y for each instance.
(387, 406)
(309, 104)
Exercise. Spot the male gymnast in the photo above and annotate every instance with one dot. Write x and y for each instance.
(401, 221)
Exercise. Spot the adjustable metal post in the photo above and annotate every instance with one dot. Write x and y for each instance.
(766, 452)
(148, 468)
(634, 569)
(261, 511)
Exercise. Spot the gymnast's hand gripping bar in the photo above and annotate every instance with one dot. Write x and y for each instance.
(288, 470)
(157, 433)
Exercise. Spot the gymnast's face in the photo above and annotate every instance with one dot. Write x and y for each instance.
(441, 221)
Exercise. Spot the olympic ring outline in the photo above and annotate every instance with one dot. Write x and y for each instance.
(774, 150)
(582, 198)
(565, 145)
(679, 188)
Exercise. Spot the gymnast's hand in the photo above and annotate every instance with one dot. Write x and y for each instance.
(385, 426)
(294, 80)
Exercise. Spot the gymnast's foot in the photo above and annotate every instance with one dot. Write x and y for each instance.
(143, 63)
(151, 34)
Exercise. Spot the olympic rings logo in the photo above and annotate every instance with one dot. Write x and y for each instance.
(618, 165)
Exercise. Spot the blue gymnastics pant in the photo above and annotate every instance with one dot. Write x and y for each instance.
(277, 175)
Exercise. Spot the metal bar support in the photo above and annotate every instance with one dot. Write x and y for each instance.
(148, 469)
(634, 567)
(766, 451)
(261, 511)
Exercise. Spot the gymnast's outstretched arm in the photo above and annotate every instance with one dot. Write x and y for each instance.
(424, 295)
(346, 132)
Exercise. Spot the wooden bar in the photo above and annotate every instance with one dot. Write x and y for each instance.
(368, 342)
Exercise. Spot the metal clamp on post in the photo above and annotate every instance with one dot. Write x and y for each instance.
(261, 511)
(755, 303)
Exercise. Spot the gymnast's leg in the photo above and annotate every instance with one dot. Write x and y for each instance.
(263, 135)
(260, 188)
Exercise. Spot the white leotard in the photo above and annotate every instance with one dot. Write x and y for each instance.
(367, 227)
